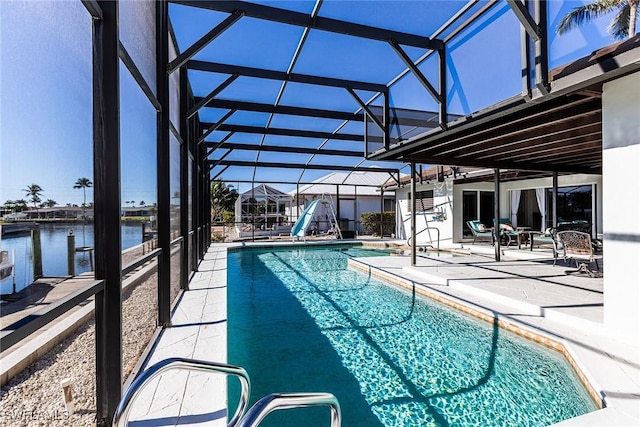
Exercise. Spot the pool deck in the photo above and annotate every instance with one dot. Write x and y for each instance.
(523, 289)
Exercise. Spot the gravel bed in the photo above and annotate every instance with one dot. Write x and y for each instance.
(34, 397)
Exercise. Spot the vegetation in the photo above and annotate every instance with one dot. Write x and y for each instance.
(34, 193)
(217, 237)
(228, 217)
(83, 183)
(16, 205)
(622, 26)
(223, 198)
(371, 222)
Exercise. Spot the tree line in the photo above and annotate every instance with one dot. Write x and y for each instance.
(35, 195)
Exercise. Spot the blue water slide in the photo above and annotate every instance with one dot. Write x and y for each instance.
(300, 227)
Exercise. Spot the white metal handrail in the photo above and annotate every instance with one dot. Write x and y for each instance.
(409, 240)
(274, 402)
(121, 416)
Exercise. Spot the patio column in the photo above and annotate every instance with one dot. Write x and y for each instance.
(254, 207)
(297, 202)
(496, 212)
(355, 209)
(554, 201)
(413, 214)
(338, 201)
(621, 207)
(381, 212)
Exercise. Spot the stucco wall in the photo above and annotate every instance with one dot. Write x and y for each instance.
(442, 201)
(621, 189)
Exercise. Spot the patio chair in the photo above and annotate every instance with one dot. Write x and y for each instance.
(480, 232)
(577, 245)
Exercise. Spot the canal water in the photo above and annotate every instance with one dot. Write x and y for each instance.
(54, 250)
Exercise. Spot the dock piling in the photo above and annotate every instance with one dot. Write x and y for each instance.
(37, 252)
(71, 250)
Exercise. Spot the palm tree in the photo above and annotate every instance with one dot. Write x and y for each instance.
(83, 183)
(34, 191)
(622, 26)
(223, 198)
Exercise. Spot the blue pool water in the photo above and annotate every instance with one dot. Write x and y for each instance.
(299, 320)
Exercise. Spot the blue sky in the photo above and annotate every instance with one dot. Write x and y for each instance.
(45, 82)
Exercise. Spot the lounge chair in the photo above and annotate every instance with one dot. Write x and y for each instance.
(480, 232)
(511, 234)
(577, 245)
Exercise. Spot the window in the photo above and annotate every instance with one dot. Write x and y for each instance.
(575, 206)
(476, 205)
(424, 201)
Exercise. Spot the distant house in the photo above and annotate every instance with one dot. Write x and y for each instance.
(58, 212)
(15, 216)
(136, 211)
(352, 194)
(262, 211)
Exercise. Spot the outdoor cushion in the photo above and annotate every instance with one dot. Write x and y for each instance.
(507, 227)
(481, 228)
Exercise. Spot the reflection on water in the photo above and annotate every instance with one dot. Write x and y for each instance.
(54, 250)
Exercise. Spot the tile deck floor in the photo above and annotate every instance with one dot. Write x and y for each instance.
(532, 293)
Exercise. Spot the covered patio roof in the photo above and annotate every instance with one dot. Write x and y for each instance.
(559, 132)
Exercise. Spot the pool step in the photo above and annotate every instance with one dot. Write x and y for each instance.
(515, 305)
(521, 307)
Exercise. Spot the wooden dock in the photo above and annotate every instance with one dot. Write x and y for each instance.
(36, 296)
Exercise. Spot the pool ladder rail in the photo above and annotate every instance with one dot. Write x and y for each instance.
(242, 417)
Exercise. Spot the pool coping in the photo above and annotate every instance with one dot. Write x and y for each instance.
(487, 315)
(611, 363)
(284, 244)
(594, 390)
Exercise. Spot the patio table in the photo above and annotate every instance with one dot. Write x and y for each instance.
(523, 232)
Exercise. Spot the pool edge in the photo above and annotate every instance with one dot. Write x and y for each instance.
(489, 316)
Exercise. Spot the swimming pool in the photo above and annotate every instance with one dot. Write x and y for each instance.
(299, 320)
